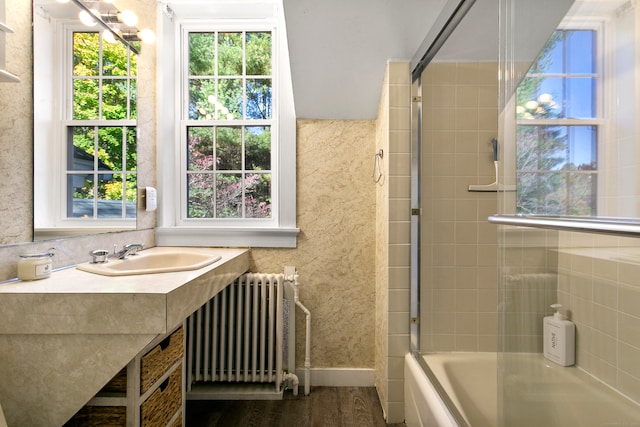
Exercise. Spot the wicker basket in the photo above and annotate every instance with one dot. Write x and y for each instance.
(159, 359)
(164, 402)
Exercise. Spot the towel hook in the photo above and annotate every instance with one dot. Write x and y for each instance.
(377, 168)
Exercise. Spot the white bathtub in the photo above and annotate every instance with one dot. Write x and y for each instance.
(536, 393)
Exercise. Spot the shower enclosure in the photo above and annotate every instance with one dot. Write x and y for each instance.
(554, 83)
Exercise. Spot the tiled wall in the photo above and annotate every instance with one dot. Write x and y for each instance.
(599, 284)
(458, 247)
(393, 239)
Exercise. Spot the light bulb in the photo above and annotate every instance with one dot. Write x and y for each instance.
(108, 36)
(128, 17)
(86, 18)
(147, 36)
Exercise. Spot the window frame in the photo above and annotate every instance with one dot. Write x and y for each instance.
(278, 231)
(598, 25)
(185, 123)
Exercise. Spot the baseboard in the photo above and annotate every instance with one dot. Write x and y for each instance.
(339, 377)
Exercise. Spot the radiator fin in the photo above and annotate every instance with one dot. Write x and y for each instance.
(237, 337)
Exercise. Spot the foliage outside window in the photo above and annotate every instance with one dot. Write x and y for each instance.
(228, 125)
(557, 133)
(101, 161)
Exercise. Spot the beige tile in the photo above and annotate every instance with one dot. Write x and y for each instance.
(398, 323)
(487, 323)
(488, 300)
(466, 119)
(444, 119)
(466, 233)
(466, 323)
(443, 141)
(466, 343)
(466, 301)
(467, 73)
(466, 210)
(466, 96)
(466, 141)
(466, 165)
(399, 73)
(444, 300)
(466, 255)
(466, 277)
(629, 331)
(628, 359)
(444, 322)
(443, 73)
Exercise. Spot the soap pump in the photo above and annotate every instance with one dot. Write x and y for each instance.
(559, 344)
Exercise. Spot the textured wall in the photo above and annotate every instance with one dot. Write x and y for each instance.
(16, 117)
(335, 253)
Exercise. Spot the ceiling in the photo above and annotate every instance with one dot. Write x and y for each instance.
(339, 50)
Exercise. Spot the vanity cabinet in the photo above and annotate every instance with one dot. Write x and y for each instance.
(148, 392)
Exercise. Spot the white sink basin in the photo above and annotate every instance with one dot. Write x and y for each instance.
(155, 260)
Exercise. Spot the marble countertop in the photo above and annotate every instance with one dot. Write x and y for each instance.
(72, 301)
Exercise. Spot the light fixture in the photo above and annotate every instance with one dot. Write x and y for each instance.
(118, 25)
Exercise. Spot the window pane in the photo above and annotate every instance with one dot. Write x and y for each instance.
(86, 54)
(85, 99)
(581, 52)
(258, 54)
(541, 148)
(131, 196)
(541, 193)
(582, 194)
(583, 153)
(540, 98)
(133, 99)
(200, 196)
(132, 149)
(199, 148)
(202, 99)
(258, 196)
(110, 148)
(230, 96)
(110, 192)
(580, 101)
(259, 99)
(114, 59)
(202, 54)
(228, 148)
(229, 195)
(550, 59)
(230, 54)
(81, 148)
(115, 98)
(80, 200)
(257, 141)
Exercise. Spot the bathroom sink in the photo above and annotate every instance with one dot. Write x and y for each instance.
(154, 260)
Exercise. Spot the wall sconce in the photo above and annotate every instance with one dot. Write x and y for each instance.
(118, 25)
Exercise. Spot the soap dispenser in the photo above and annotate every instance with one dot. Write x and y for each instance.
(559, 338)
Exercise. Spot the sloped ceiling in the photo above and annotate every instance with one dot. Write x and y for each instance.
(339, 49)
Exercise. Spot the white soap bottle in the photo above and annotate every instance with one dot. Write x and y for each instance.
(559, 344)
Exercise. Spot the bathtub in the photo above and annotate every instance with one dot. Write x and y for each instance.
(536, 393)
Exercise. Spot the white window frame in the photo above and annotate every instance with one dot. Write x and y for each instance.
(173, 227)
(598, 25)
(52, 218)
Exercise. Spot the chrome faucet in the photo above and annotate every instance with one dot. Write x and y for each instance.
(128, 249)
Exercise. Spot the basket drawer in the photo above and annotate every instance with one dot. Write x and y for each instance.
(164, 402)
(177, 422)
(90, 416)
(118, 384)
(159, 359)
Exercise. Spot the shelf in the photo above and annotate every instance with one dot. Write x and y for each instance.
(601, 225)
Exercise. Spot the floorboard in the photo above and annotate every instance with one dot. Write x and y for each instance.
(324, 407)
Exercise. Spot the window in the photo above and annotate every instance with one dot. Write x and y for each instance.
(227, 125)
(559, 111)
(100, 131)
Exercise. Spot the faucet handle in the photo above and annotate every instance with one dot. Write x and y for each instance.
(133, 248)
(99, 256)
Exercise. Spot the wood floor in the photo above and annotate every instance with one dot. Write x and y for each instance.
(325, 406)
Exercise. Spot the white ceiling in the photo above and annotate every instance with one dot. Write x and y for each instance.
(339, 49)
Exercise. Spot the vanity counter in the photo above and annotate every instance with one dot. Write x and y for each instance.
(63, 338)
(77, 302)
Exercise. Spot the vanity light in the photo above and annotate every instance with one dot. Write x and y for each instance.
(86, 18)
(108, 36)
(118, 25)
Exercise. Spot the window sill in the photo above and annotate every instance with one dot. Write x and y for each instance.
(227, 236)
